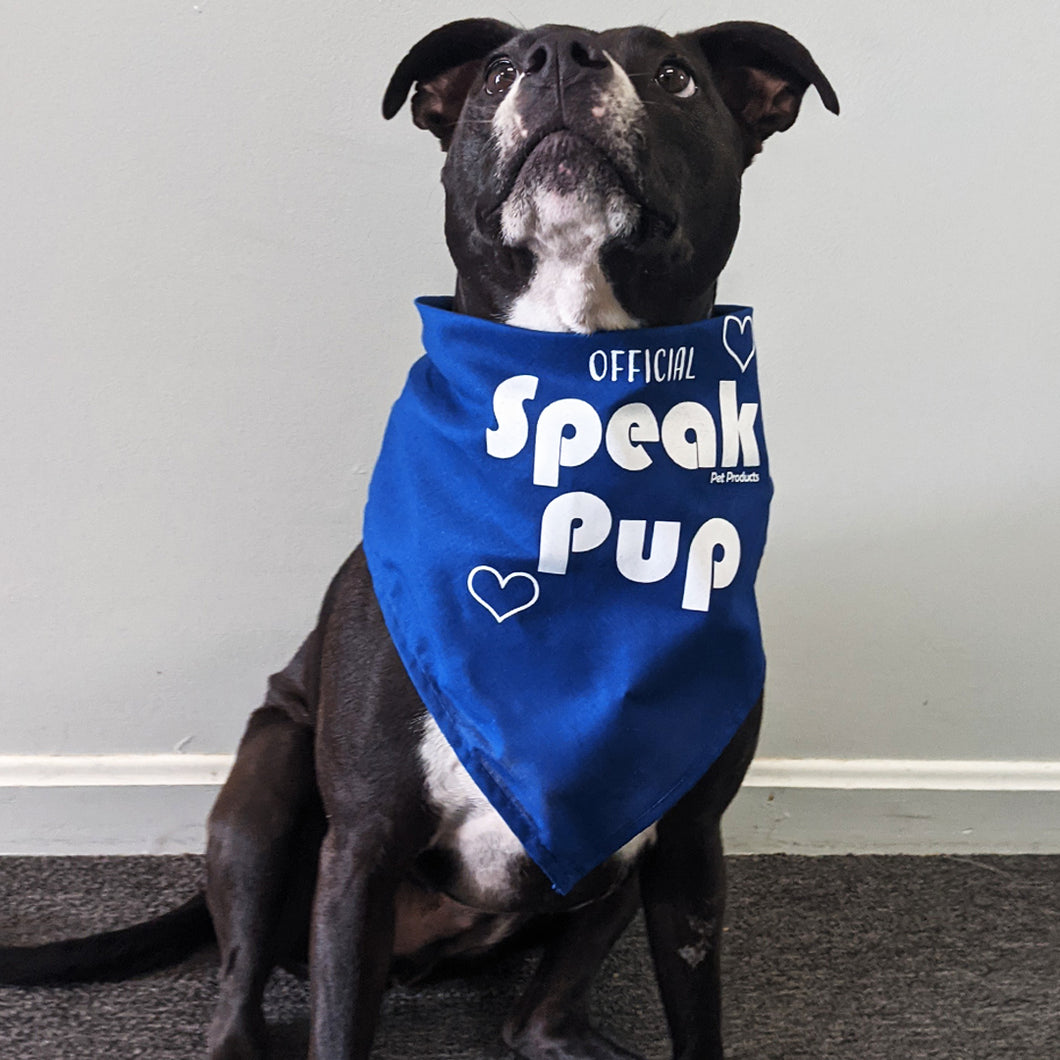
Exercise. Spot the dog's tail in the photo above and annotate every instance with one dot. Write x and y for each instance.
(111, 955)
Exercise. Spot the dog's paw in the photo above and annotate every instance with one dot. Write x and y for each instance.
(569, 1042)
(243, 1039)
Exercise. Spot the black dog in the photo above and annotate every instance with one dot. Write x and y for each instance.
(592, 183)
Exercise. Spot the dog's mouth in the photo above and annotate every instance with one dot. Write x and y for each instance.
(568, 163)
(564, 158)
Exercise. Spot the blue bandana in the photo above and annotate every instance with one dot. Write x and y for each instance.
(563, 533)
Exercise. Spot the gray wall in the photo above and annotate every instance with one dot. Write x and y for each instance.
(211, 242)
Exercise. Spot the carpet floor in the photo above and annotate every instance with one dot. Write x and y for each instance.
(859, 958)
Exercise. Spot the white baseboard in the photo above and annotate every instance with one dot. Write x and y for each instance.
(847, 774)
(113, 771)
(80, 804)
(903, 774)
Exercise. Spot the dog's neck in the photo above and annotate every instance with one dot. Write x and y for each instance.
(568, 289)
(565, 231)
(569, 294)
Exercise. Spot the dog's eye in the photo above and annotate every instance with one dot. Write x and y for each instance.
(676, 79)
(500, 76)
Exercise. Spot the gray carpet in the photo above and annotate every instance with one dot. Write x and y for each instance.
(867, 958)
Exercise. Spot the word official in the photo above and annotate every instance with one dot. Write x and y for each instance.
(664, 365)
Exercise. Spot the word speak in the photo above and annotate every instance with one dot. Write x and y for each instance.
(569, 431)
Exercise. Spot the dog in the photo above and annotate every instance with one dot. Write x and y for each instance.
(592, 183)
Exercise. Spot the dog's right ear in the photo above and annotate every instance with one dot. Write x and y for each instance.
(443, 66)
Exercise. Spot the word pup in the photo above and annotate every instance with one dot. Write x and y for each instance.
(580, 522)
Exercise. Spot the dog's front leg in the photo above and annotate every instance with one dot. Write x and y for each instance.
(551, 1020)
(683, 887)
(376, 824)
(351, 944)
(371, 785)
(682, 884)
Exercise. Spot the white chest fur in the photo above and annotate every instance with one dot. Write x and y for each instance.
(469, 826)
(489, 851)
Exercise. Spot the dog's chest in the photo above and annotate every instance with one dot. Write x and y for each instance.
(489, 853)
(491, 861)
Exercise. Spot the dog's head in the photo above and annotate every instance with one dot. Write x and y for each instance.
(618, 153)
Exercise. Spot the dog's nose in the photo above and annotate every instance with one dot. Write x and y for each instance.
(565, 56)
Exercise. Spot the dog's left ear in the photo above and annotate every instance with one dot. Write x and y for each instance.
(762, 74)
(443, 66)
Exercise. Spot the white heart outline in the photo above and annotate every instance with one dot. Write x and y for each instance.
(503, 582)
(742, 323)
